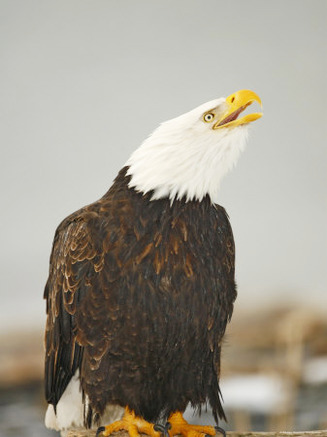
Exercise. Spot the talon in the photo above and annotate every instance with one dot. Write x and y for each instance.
(100, 430)
(179, 426)
(163, 429)
(131, 423)
(221, 430)
(158, 427)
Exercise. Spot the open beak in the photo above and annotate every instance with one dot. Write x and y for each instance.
(237, 103)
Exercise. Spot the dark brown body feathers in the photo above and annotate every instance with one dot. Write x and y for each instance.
(138, 298)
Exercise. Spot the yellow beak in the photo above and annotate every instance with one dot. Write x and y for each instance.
(237, 103)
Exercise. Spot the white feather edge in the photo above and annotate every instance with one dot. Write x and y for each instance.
(70, 409)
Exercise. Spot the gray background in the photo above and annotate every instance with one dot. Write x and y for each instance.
(84, 82)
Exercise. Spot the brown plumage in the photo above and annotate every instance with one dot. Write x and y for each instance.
(138, 298)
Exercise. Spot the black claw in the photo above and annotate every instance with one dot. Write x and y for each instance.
(168, 426)
(221, 430)
(163, 428)
(100, 430)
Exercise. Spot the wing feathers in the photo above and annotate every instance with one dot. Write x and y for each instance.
(73, 258)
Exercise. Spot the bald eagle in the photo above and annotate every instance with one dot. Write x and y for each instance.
(141, 284)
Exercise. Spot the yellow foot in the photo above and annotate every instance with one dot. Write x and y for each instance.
(180, 426)
(131, 423)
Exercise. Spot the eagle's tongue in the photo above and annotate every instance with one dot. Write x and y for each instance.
(233, 116)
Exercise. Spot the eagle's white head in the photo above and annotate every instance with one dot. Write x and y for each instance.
(188, 155)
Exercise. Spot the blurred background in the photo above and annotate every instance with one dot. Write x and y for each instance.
(82, 84)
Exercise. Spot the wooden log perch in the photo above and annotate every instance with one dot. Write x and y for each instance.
(322, 433)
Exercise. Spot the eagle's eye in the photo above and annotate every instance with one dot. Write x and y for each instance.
(208, 117)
